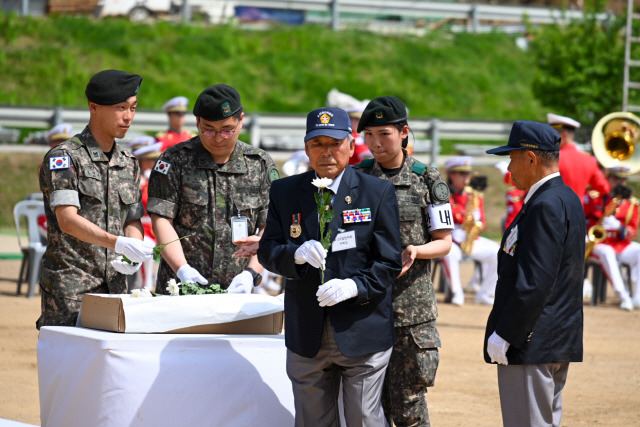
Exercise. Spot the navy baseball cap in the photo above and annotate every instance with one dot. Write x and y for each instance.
(328, 121)
(529, 135)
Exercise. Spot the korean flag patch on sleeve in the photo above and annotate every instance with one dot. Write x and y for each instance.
(59, 162)
(162, 167)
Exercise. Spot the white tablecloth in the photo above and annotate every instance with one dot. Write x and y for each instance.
(96, 378)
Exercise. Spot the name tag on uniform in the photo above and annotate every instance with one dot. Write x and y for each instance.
(344, 241)
(239, 228)
(59, 162)
(511, 242)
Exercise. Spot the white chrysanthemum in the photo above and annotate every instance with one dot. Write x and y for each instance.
(322, 182)
(173, 288)
(141, 293)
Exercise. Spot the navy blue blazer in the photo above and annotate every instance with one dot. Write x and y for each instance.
(363, 324)
(538, 303)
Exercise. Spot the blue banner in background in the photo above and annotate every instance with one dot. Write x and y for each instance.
(250, 14)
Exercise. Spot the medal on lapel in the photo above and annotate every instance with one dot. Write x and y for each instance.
(296, 228)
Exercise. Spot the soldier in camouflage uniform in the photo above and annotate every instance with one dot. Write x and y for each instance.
(425, 231)
(198, 186)
(92, 200)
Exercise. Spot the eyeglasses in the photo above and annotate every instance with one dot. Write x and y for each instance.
(226, 133)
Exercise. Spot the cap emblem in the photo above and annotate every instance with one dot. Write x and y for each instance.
(226, 109)
(379, 115)
(325, 118)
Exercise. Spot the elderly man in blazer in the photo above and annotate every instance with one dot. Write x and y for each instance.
(535, 327)
(340, 331)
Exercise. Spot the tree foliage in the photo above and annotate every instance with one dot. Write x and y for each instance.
(579, 67)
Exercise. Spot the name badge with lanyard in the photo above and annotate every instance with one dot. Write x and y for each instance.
(239, 227)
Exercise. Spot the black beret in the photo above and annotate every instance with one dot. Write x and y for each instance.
(111, 87)
(217, 102)
(383, 110)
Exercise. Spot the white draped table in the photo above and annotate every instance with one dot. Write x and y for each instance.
(95, 378)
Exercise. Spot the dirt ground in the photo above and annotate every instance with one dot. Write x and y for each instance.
(601, 391)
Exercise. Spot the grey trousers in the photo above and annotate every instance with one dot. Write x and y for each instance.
(531, 395)
(316, 386)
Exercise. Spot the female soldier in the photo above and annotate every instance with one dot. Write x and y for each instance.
(425, 230)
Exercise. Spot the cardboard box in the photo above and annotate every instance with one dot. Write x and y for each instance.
(193, 314)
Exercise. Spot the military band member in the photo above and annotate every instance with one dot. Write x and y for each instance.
(425, 233)
(147, 156)
(579, 170)
(176, 109)
(468, 206)
(214, 189)
(621, 227)
(92, 202)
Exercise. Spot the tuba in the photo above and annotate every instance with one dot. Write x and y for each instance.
(614, 141)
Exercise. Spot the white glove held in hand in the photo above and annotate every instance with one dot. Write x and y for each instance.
(497, 349)
(335, 291)
(610, 223)
(135, 249)
(312, 252)
(241, 284)
(124, 267)
(186, 273)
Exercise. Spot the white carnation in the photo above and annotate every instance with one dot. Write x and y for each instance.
(322, 182)
(141, 293)
(173, 288)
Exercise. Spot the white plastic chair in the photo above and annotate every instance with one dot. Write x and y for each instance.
(33, 250)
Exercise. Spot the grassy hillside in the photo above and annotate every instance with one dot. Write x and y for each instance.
(48, 61)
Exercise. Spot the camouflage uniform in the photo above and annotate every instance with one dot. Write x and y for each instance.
(107, 193)
(415, 356)
(201, 197)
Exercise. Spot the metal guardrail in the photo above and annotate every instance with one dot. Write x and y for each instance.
(414, 9)
(427, 9)
(266, 130)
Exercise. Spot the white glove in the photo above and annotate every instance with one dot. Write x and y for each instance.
(335, 291)
(610, 223)
(241, 284)
(312, 252)
(497, 349)
(124, 267)
(135, 249)
(187, 274)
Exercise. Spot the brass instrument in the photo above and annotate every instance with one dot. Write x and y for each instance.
(596, 233)
(469, 224)
(614, 140)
